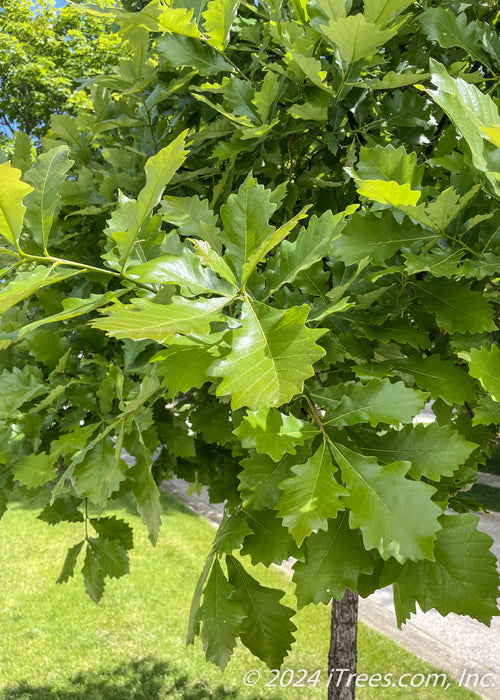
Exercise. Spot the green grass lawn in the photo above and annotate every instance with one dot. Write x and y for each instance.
(56, 644)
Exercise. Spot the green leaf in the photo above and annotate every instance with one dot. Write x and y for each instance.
(389, 163)
(222, 618)
(62, 510)
(314, 107)
(268, 541)
(392, 80)
(27, 283)
(68, 568)
(486, 412)
(24, 285)
(194, 622)
(72, 306)
(327, 9)
(312, 68)
(259, 480)
(242, 121)
(130, 215)
(457, 307)
(396, 516)
(265, 99)
(382, 11)
(401, 331)
(448, 206)
(34, 470)
(238, 98)
(356, 38)
(174, 19)
(462, 578)
(469, 109)
(245, 218)
(112, 557)
(388, 192)
(72, 442)
(377, 237)
(485, 266)
(185, 363)
(12, 209)
(180, 441)
(311, 245)
(18, 387)
(274, 433)
(145, 319)
(492, 133)
(93, 576)
(231, 533)
(113, 528)
(144, 486)
(147, 389)
(311, 496)
(334, 559)
(449, 30)
(485, 366)
(378, 401)
(46, 176)
(271, 356)
(194, 217)
(183, 270)
(442, 378)
(218, 20)
(267, 630)
(23, 151)
(434, 451)
(213, 420)
(212, 259)
(441, 263)
(100, 473)
(186, 51)
(274, 239)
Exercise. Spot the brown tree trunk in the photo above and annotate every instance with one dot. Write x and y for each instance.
(343, 654)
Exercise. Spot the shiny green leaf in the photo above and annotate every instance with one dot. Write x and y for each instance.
(356, 38)
(311, 495)
(274, 433)
(145, 319)
(12, 209)
(485, 366)
(396, 515)
(272, 354)
(378, 401)
(46, 176)
(434, 451)
(218, 19)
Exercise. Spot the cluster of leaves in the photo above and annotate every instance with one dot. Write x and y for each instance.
(47, 53)
(273, 242)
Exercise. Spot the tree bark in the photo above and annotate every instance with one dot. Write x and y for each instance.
(343, 654)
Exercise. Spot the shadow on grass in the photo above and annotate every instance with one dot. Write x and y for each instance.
(143, 679)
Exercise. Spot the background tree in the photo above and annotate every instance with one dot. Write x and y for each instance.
(46, 55)
(323, 262)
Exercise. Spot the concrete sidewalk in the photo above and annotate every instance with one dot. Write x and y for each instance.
(458, 645)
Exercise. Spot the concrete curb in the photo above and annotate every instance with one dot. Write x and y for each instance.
(427, 647)
(376, 616)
